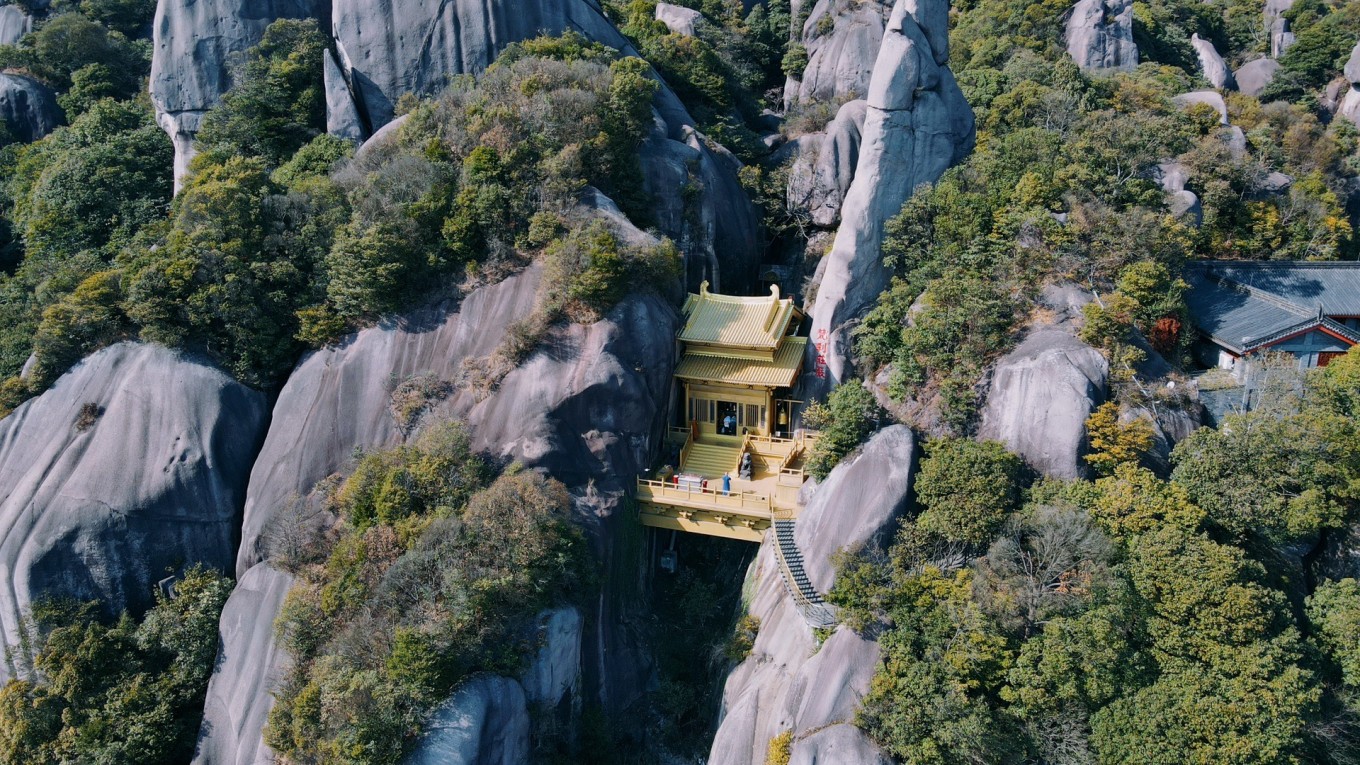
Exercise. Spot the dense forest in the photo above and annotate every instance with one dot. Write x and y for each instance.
(1149, 613)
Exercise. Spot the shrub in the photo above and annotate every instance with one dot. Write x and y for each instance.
(849, 414)
(967, 488)
(743, 638)
(1114, 442)
(778, 751)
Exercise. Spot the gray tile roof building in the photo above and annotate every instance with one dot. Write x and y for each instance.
(1244, 306)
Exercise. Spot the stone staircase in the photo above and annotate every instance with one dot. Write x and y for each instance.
(815, 611)
(711, 461)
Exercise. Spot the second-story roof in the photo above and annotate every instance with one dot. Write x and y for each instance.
(737, 323)
(1244, 306)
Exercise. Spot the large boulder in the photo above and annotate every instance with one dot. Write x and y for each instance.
(1210, 98)
(1349, 106)
(14, 24)
(1211, 64)
(824, 166)
(485, 722)
(342, 116)
(1100, 35)
(1253, 76)
(1278, 26)
(131, 468)
(28, 107)
(196, 44)
(679, 19)
(392, 47)
(1042, 392)
(553, 675)
(842, 38)
(249, 664)
(917, 124)
(789, 683)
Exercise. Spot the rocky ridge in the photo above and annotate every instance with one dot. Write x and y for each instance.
(917, 124)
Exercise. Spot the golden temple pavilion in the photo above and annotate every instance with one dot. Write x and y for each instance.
(740, 465)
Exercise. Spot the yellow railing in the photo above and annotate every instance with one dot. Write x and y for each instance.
(704, 498)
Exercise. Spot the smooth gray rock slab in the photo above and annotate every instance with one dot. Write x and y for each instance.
(1352, 67)
(486, 722)
(342, 116)
(1350, 106)
(28, 107)
(876, 482)
(837, 745)
(555, 670)
(1253, 76)
(250, 664)
(1040, 396)
(824, 169)
(842, 40)
(1278, 26)
(14, 24)
(1214, 69)
(1100, 35)
(788, 683)
(154, 485)
(679, 19)
(717, 226)
(917, 124)
(392, 47)
(1209, 98)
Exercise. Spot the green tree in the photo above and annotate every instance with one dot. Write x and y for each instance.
(279, 102)
(967, 487)
(847, 417)
(1334, 613)
(1114, 442)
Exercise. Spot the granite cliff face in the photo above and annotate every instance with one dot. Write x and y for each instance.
(129, 469)
(587, 408)
(195, 46)
(789, 682)
(1100, 35)
(28, 107)
(916, 125)
(1042, 392)
(842, 38)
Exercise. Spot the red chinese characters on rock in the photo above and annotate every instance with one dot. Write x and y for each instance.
(820, 367)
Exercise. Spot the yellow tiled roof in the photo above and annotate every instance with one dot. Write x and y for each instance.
(780, 373)
(737, 322)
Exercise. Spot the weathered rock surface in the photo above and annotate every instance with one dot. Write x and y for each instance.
(249, 664)
(554, 673)
(842, 38)
(14, 24)
(1181, 201)
(1210, 98)
(1278, 26)
(486, 722)
(585, 408)
(837, 745)
(28, 107)
(1253, 76)
(825, 165)
(917, 124)
(391, 47)
(679, 19)
(1211, 64)
(788, 683)
(195, 45)
(1042, 392)
(715, 223)
(1350, 102)
(153, 485)
(342, 116)
(1100, 35)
